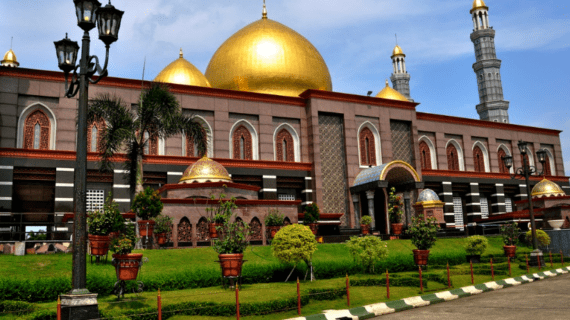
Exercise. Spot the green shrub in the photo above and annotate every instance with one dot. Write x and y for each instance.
(147, 204)
(15, 307)
(367, 251)
(43, 315)
(541, 236)
(274, 218)
(293, 244)
(423, 232)
(476, 245)
(312, 214)
(366, 220)
(510, 233)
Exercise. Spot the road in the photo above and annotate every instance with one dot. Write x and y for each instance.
(544, 299)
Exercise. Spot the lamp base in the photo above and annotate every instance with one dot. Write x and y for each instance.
(534, 256)
(79, 306)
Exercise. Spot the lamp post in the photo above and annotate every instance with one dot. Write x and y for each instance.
(82, 304)
(524, 172)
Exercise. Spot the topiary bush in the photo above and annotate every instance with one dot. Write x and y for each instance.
(476, 245)
(541, 236)
(293, 244)
(367, 251)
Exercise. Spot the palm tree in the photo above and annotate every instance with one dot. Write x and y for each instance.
(158, 115)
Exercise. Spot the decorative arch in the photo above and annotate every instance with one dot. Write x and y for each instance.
(286, 221)
(549, 165)
(374, 156)
(503, 151)
(242, 129)
(454, 156)
(293, 144)
(481, 157)
(184, 231)
(202, 232)
(255, 229)
(95, 132)
(188, 145)
(152, 145)
(47, 129)
(399, 168)
(430, 156)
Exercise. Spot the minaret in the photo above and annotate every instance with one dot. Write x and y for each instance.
(492, 106)
(10, 59)
(400, 78)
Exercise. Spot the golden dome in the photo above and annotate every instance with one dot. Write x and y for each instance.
(10, 59)
(268, 57)
(389, 93)
(547, 188)
(180, 71)
(205, 170)
(398, 51)
(478, 4)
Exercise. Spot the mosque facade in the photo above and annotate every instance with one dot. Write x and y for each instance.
(275, 122)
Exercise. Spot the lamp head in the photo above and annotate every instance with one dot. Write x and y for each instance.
(86, 11)
(541, 154)
(66, 51)
(508, 160)
(522, 147)
(108, 23)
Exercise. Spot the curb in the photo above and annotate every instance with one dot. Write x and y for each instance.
(378, 309)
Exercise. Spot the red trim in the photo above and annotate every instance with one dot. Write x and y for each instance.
(486, 124)
(239, 202)
(483, 175)
(324, 216)
(345, 97)
(208, 185)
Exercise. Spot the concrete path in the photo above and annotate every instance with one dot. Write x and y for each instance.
(544, 299)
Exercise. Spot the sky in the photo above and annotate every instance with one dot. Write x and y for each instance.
(355, 37)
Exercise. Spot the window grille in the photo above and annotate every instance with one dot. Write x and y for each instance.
(286, 197)
(484, 208)
(95, 199)
(508, 205)
(458, 210)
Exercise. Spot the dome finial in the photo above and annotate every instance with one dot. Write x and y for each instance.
(264, 13)
(387, 84)
(181, 54)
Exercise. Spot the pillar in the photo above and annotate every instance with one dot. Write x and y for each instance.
(370, 197)
(498, 200)
(447, 198)
(356, 203)
(473, 206)
(269, 190)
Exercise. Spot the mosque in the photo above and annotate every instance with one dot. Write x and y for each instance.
(282, 134)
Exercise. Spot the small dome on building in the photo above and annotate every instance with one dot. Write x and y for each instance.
(428, 195)
(398, 51)
(389, 93)
(10, 60)
(180, 71)
(205, 170)
(547, 188)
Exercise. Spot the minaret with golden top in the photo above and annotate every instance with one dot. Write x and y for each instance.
(400, 78)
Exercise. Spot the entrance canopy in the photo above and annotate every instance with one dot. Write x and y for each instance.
(396, 173)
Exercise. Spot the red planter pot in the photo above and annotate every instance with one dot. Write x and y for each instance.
(99, 244)
(272, 230)
(146, 227)
(365, 229)
(314, 228)
(231, 264)
(510, 251)
(421, 257)
(127, 265)
(161, 238)
(213, 232)
(397, 228)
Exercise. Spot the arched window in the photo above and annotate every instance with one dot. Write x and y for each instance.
(425, 155)
(242, 144)
(367, 147)
(547, 169)
(501, 154)
(452, 158)
(285, 146)
(478, 159)
(95, 132)
(255, 229)
(37, 131)
(184, 231)
(191, 151)
(151, 145)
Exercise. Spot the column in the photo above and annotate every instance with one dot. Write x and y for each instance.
(269, 190)
(6, 178)
(121, 190)
(522, 195)
(307, 197)
(407, 207)
(498, 200)
(356, 203)
(447, 198)
(64, 190)
(370, 197)
(473, 206)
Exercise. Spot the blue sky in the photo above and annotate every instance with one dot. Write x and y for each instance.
(355, 38)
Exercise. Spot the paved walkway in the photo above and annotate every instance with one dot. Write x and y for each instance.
(544, 299)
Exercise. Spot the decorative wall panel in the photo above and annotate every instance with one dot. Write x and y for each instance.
(402, 147)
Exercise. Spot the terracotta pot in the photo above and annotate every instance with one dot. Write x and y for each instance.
(397, 228)
(99, 244)
(314, 227)
(421, 257)
(231, 264)
(146, 227)
(272, 230)
(510, 251)
(365, 228)
(127, 265)
(212, 230)
(161, 238)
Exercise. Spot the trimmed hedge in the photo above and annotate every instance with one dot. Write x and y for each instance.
(15, 307)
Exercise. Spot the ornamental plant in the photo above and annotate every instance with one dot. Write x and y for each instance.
(126, 241)
(395, 206)
(293, 244)
(274, 218)
(217, 212)
(510, 233)
(366, 220)
(423, 232)
(233, 237)
(312, 214)
(476, 245)
(542, 237)
(111, 209)
(163, 224)
(367, 251)
(147, 204)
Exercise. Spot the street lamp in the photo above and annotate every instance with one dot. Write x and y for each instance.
(524, 172)
(82, 304)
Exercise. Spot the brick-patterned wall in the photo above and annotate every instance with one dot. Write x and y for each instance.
(402, 147)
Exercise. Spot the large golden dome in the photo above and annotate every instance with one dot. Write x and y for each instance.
(180, 71)
(10, 59)
(547, 188)
(268, 57)
(205, 170)
(389, 93)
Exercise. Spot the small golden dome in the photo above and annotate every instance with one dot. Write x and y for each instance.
(268, 57)
(205, 170)
(10, 59)
(180, 71)
(547, 188)
(478, 4)
(389, 93)
(398, 51)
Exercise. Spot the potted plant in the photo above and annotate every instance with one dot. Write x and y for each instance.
(510, 233)
(162, 227)
(99, 225)
(311, 217)
(274, 221)
(423, 233)
(233, 239)
(365, 224)
(475, 247)
(218, 214)
(395, 212)
(147, 205)
(126, 264)
(115, 217)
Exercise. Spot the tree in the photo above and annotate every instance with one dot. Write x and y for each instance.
(293, 244)
(158, 115)
(367, 251)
